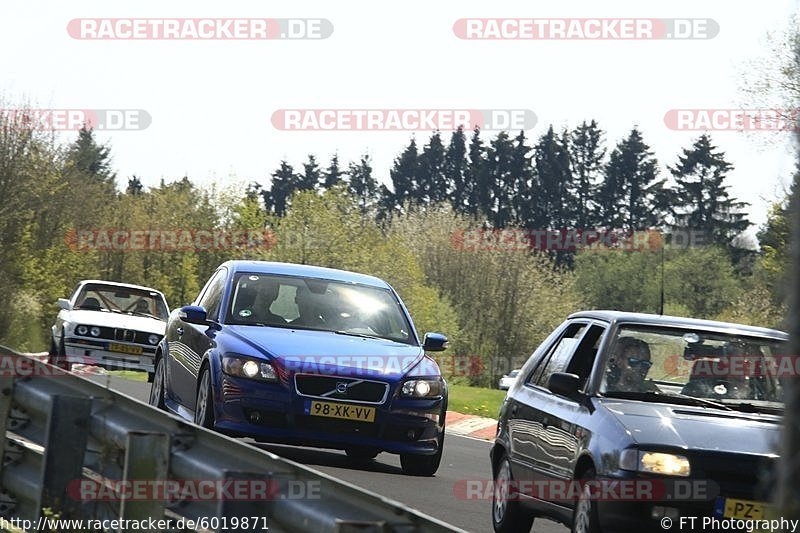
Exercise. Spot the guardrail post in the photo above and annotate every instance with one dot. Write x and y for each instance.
(243, 504)
(6, 396)
(65, 447)
(147, 462)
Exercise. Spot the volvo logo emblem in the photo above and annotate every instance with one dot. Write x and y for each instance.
(341, 387)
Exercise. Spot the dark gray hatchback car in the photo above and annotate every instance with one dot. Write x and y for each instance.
(635, 422)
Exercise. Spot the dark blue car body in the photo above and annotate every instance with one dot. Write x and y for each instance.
(312, 368)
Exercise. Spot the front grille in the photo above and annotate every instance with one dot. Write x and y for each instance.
(123, 335)
(738, 475)
(341, 389)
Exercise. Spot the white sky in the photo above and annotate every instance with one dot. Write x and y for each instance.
(211, 101)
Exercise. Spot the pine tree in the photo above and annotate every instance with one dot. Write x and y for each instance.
(700, 200)
(500, 181)
(632, 196)
(284, 183)
(333, 174)
(455, 170)
(586, 155)
(404, 175)
(362, 185)
(552, 206)
(475, 179)
(431, 180)
(311, 177)
(522, 176)
(90, 158)
(135, 187)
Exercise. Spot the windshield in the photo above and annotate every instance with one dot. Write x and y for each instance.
(310, 303)
(728, 369)
(126, 300)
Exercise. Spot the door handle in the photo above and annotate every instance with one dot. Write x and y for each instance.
(179, 331)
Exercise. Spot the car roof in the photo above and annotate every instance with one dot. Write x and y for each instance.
(309, 271)
(622, 317)
(118, 284)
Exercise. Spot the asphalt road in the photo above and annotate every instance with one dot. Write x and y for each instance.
(464, 459)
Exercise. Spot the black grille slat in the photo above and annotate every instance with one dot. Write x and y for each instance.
(357, 390)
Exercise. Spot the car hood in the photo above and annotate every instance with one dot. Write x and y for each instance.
(697, 428)
(117, 320)
(299, 351)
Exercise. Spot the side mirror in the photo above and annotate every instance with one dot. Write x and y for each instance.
(64, 304)
(564, 384)
(193, 314)
(434, 342)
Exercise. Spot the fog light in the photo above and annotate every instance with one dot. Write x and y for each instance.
(411, 434)
(255, 417)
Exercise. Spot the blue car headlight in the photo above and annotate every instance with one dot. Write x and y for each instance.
(421, 388)
(246, 367)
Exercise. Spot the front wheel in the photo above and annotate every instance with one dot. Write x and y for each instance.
(204, 406)
(158, 386)
(508, 516)
(584, 518)
(58, 355)
(422, 465)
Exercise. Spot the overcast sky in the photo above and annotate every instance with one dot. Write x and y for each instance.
(211, 101)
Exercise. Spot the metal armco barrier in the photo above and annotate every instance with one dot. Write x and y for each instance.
(61, 428)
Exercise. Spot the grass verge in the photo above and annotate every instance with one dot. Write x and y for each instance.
(475, 400)
(129, 374)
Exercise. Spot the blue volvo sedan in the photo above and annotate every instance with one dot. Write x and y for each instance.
(305, 355)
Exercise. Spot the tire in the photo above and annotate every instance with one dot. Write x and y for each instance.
(158, 384)
(151, 376)
(204, 406)
(361, 453)
(422, 465)
(508, 516)
(58, 355)
(584, 517)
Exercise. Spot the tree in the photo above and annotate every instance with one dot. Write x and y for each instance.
(91, 159)
(553, 201)
(586, 154)
(403, 176)
(455, 170)
(284, 183)
(333, 174)
(700, 201)
(499, 181)
(135, 186)
(362, 185)
(432, 185)
(311, 177)
(476, 184)
(631, 197)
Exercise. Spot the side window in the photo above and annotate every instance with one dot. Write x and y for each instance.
(583, 360)
(559, 355)
(212, 296)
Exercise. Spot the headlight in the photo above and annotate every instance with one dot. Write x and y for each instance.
(95, 331)
(654, 463)
(244, 367)
(422, 388)
(81, 330)
(153, 339)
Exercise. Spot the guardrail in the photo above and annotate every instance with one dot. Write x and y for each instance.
(62, 430)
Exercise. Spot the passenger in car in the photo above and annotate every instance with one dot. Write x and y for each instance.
(628, 367)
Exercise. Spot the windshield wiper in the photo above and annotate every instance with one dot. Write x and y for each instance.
(362, 335)
(660, 396)
(748, 407)
(140, 313)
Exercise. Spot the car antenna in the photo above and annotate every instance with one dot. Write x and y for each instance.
(661, 302)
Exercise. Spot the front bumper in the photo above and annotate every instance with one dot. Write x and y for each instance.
(97, 352)
(273, 413)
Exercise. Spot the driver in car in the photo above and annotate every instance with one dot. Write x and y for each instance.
(628, 366)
